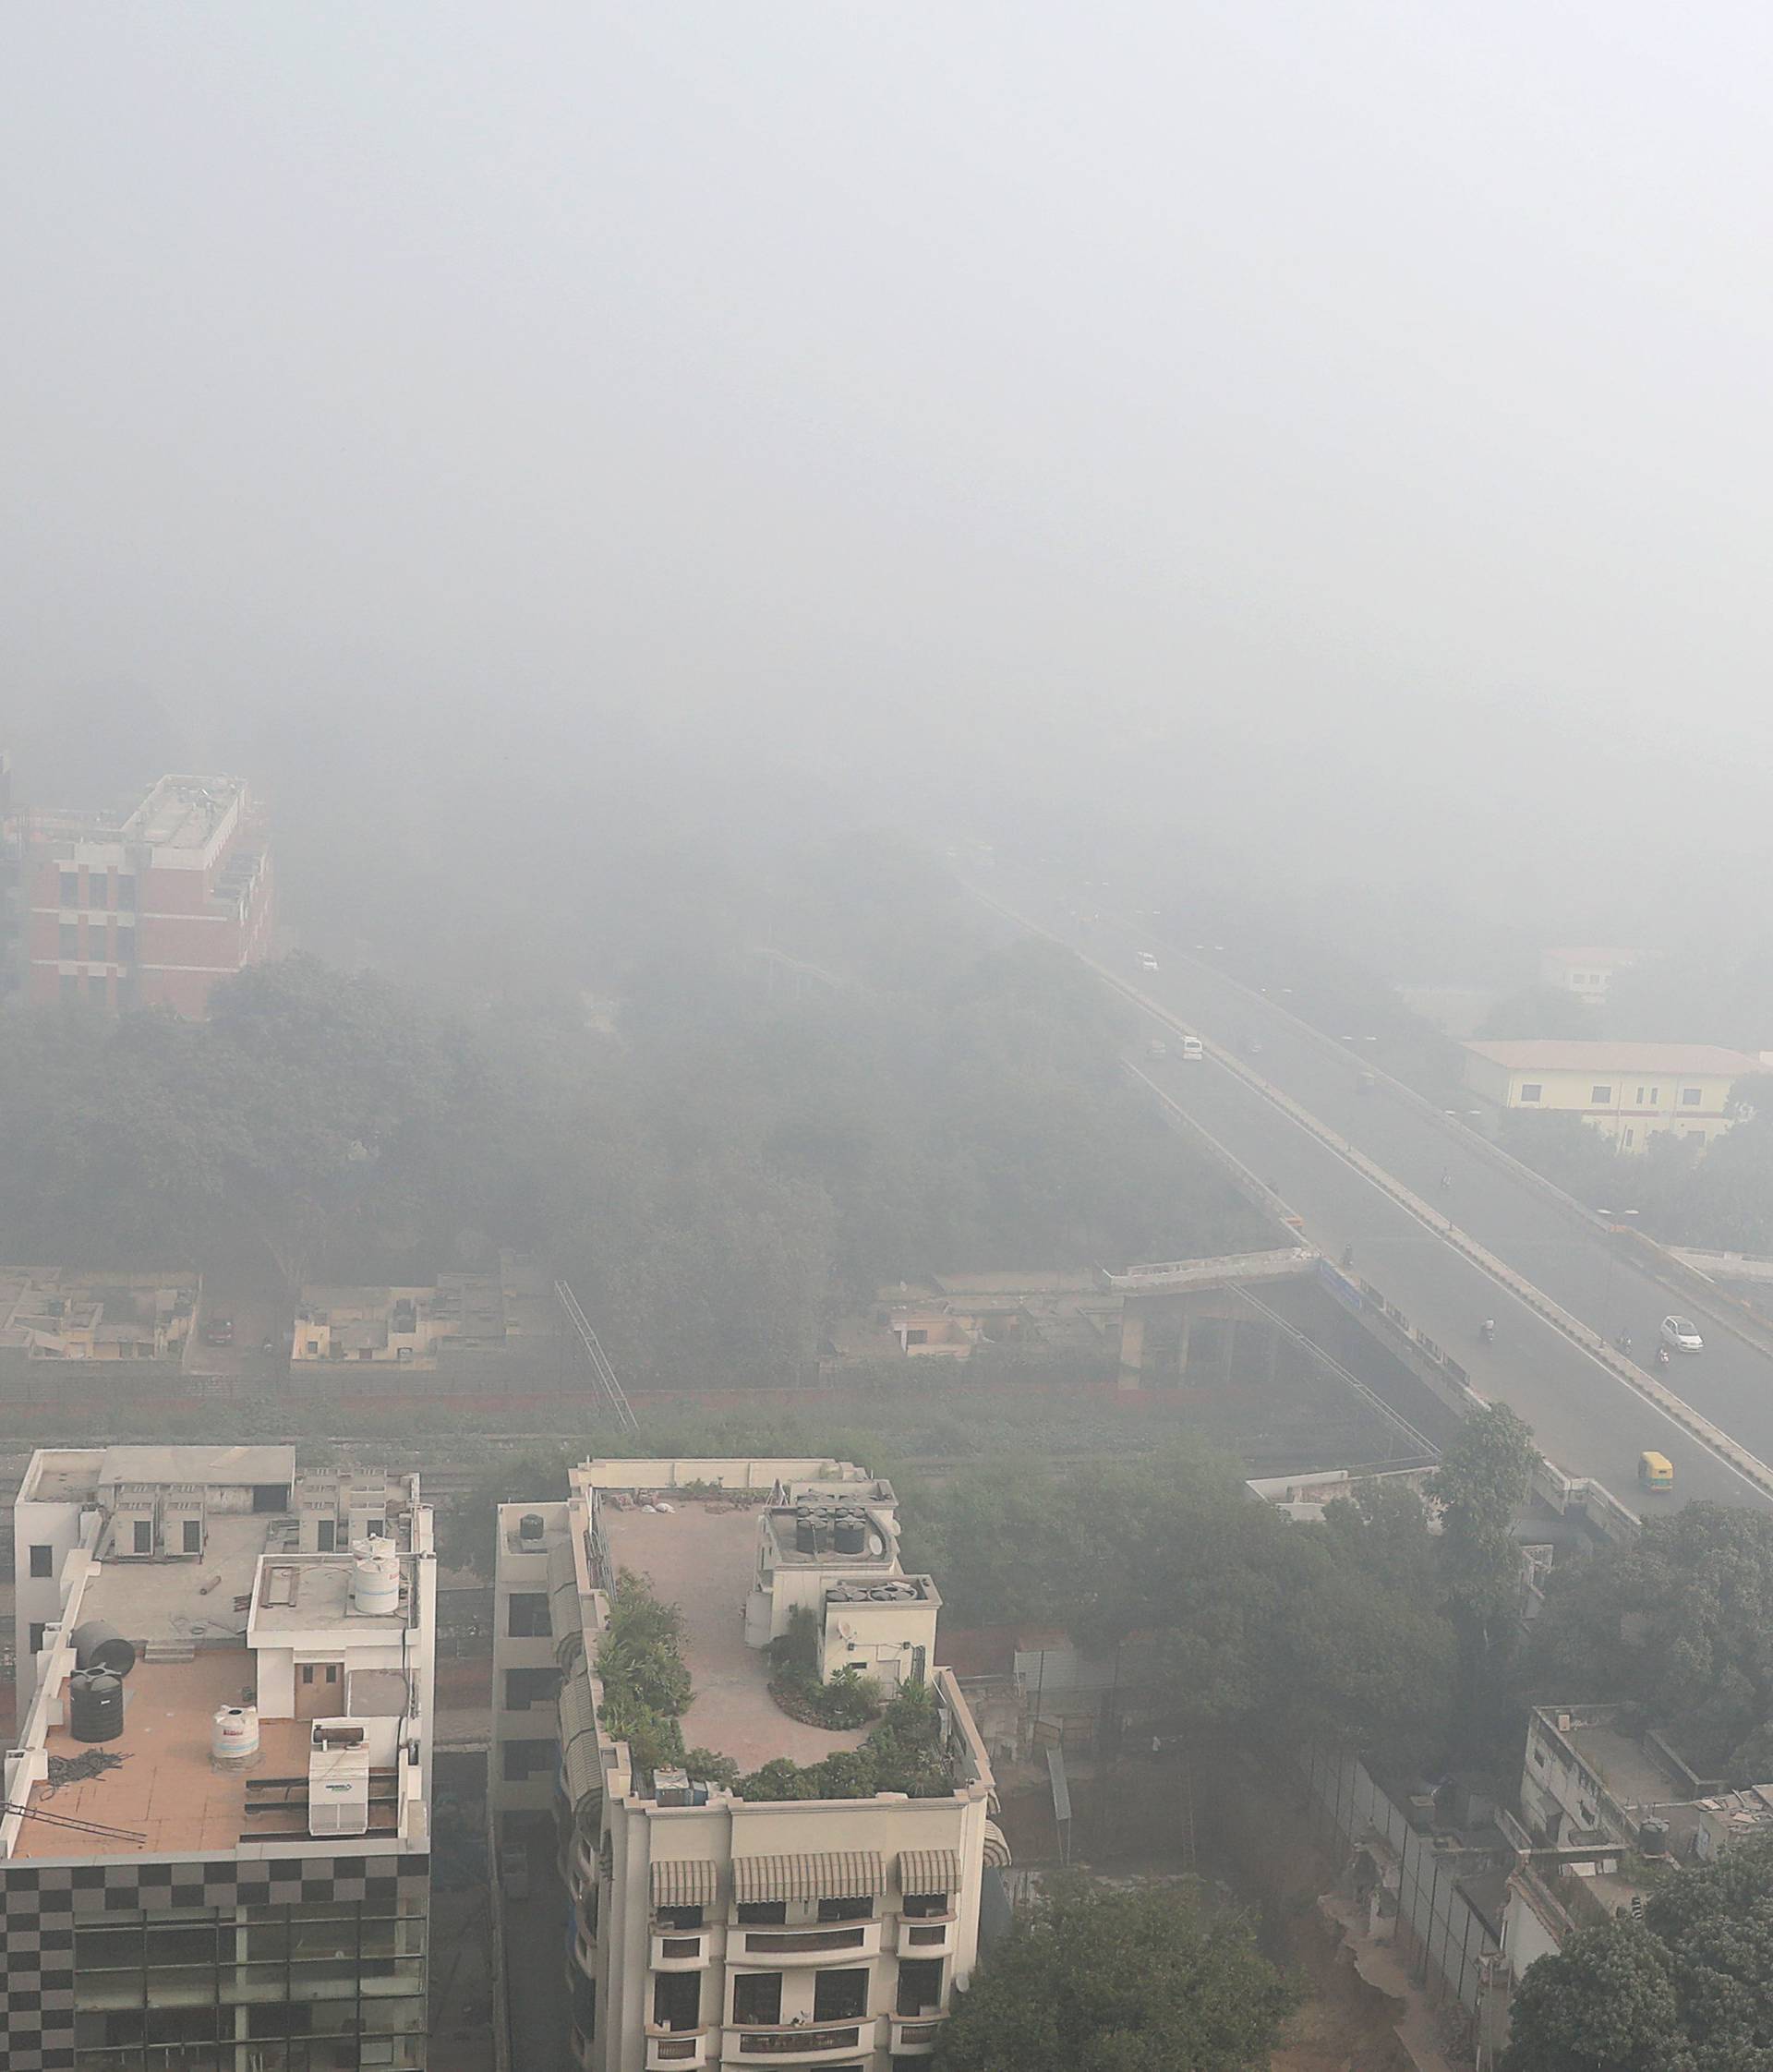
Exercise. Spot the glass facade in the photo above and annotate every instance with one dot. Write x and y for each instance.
(310, 1987)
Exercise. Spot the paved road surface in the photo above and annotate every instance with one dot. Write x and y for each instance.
(1588, 1422)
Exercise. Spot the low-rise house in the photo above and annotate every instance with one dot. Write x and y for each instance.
(1587, 973)
(52, 1315)
(1628, 1091)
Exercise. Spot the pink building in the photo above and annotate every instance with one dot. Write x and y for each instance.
(150, 911)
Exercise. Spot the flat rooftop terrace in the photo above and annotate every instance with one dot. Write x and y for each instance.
(193, 1600)
(162, 1788)
(1628, 1770)
(703, 1561)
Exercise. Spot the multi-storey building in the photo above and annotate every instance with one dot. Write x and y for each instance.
(214, 1837)
(707, 1928)
(149, 909)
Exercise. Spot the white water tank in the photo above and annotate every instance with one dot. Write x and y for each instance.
(234, 1735)
(375, 1577)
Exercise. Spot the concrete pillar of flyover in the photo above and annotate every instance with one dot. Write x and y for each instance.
(1182, 1323)
(1132, 1345)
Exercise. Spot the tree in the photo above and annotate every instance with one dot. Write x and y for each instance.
(1096, 1981)
(1481, 1485)
(1689, 1990)
(1604, 2003)
(1678, 1623)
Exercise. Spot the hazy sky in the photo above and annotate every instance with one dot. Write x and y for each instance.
(1351, 418)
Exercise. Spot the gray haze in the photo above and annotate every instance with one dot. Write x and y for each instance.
(1343, 428)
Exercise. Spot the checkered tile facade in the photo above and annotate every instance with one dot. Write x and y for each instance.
(42, 1901)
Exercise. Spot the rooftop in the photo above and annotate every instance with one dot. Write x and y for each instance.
(299, 1592)
(1624, 1765)
(195, 1600)
(1558, 1053)
(184, 811)
(70, 1474)
(702, 1559)
(161, 1786)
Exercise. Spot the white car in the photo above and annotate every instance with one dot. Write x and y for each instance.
(1193, 1050)
(1147, 962)
(1683, 1334)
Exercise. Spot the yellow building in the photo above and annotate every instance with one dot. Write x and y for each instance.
(1629, 1092)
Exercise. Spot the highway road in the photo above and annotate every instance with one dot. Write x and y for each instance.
(1587, 1421)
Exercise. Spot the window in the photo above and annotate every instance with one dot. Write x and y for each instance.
(326, 1539)
(1656, 1097)
(70, 986)
(846, 1910)
(925, 1906)
(42, 1560)
(841, 1995)
(528, 1618)
(757, 1998)
(70, 894)
(677, 2000)
(96, 894)
(37, 1627)
(683, 1921)
(1600, 1096)
(70, 947)
(1640, 1097)
(1531, 1090)
(526, 1759)
(125, 889)
(1691, 1097)
(919, 1985)
(524, 1688)
(193, 1535)
(764, 1913)
(144, 1536)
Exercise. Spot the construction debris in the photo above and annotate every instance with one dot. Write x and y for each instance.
(76, 1769)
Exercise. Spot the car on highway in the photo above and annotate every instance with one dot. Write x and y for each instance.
(1682, 1334)
(1193, 1050)
(1147, 962)
(219, 1331)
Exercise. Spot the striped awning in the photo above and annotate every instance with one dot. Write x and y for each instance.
(996, 1848)
(579, 1763)
(925, 1871)
(563, 1611)
(686, 1881)
(847, 1874)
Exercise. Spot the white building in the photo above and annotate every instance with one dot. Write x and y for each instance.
(215, 1848)
(709, 1929)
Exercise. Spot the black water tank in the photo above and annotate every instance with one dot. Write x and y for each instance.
(98, 1645)
(852, 1532)
(94, 1705)
(530, 1527)
(806, 1533)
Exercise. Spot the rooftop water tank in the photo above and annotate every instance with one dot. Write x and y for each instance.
(851, 1535)
(375, 1577)
(100, 1646)
(530, 1527)
(806, 1533)
(94, 1705)
(233, 1736)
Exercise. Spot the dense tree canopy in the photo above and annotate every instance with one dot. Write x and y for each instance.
(1691, 1990)
(1680, 1622)
(1247, 1623)
(735, 1147)
(1097, 1981)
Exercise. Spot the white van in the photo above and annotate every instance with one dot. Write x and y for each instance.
(1193, 1050)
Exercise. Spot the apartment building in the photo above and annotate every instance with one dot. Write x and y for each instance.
(148, 908)
(705, 1928)
(214, 1847)
(1587, 973)
(51, 1315)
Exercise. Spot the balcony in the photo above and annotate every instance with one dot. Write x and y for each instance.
(932, 1937)
(667, 2049)
(835, 1941)
(682, 1949)
(809, 2043)
(915, 2035)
